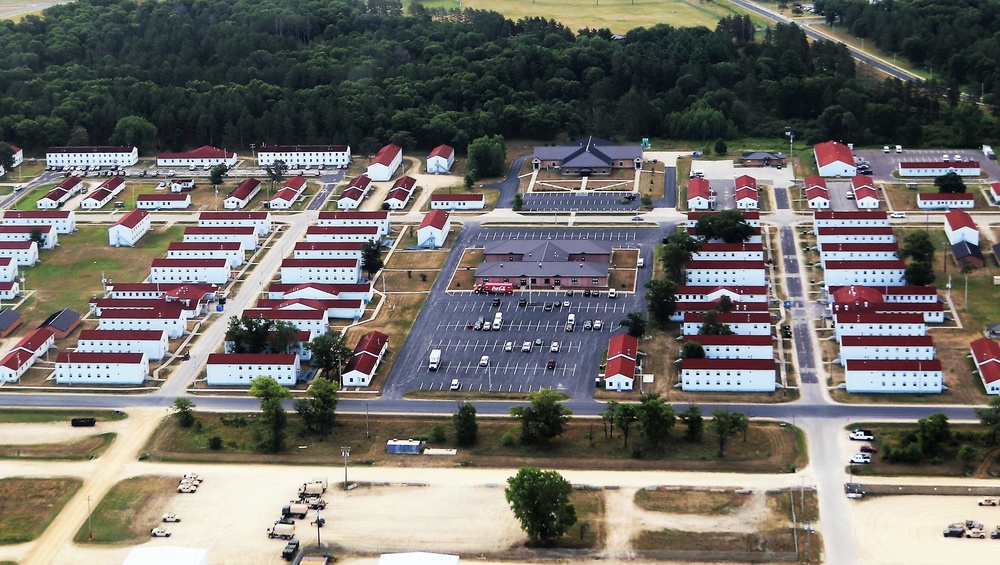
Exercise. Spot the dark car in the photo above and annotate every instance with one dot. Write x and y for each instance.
(496, 302)
(290, 551)
(586, 292)
(868, 449)
(786, 331)
(547, 307)
(551, 364)
(954, 531)
(522, 302)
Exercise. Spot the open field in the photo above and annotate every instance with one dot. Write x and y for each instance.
(86, 255)
(27, 201)
(128, 510)
(30, 504)
(769, 448)
(905, 199)
(90, 447)
(685, 501)
(395, 320)
(617, 15)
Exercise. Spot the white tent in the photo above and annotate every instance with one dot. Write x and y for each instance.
(167, 556)
(417, 558)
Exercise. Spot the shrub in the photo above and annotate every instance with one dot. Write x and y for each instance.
(215, 443)
(508, 439)
(438, 434)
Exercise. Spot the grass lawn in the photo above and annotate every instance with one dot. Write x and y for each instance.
(588, 531)
(617, 15)
(90, 447)
(33, 416)
(410, 280)
(30, 504)
(128, 510)
(678, 540)
(769, 448)
(395, 320)
(85, 257)
(691, 501)
(425, 260)
(906, 200)
(27, 201)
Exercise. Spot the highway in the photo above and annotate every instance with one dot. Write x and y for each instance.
(883, 66)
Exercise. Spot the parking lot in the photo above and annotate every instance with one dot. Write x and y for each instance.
(580, 201)
(725, 193)
(883, 164)
(445, 320)
(839, 189)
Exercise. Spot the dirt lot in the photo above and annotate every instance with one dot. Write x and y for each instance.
(912, 526)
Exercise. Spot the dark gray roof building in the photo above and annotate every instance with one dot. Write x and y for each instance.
(590, 155)
(558, 250)
(549, 269)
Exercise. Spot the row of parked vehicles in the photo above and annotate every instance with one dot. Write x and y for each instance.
(866, 452)
(969, 529)
(188, 483)
(310, 497)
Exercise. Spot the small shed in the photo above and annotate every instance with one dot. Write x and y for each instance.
(405, 446)
(993, 330)
(62, 323)
(9, 320)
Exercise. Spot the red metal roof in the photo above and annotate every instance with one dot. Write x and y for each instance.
(99, 195)
(705, 306)
(203, 152)
(858, 181)
(56, 194)
(274, 314)
(699, 187)
(304, 149)
(108, 358)
(163, 197)
(729, 364)
(167, 311)
(406, 182)
(855, 230)
(69, 183)
(623, 344)
(329, 246)
(320, 263)
(817, 192)
(362, 183)
(387, 154)
(334, 289)
(865, 192)
(295, 183)
(122, 335)
(458, 197)
(364, 364)
(887, 341)
(815, 180)
(113, 183)
(204, 246)
(990, 372)
(185, 262)
(620, 366)
(91, 149)
(35, 339)
(287, 194)
(857, 293)
(893, 365)
(442, 151)
(26, 228)
(856, 265)
(722, 247)
(830, 152)
(958, 219)
(234, 216)
(132, 219)
(17, 244)
(435, 219)
(371, 343)
(251, 359)
(995, 189)
(311, 303)
(705, 290)
(860, 247)
(746, 181)
(985, 350)
(746, 193)
(37, 214)
(244, 189)
(355, 215)
(749, 265)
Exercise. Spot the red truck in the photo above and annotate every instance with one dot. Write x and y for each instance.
(494, 288)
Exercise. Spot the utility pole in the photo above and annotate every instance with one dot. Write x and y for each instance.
(346, 452)
(90, 523)
(368, 433)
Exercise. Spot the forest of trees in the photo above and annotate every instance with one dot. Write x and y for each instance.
(958, 39)
(235, 72)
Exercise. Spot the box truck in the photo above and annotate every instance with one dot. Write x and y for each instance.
(283, 531)
(435, 360)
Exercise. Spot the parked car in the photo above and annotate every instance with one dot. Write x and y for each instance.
(547, 307)
(526, 346)
(522, 302)
(550, 365)
(588, 325)
(187, 488)
(861, 459)
(995, 534)
(975, 533)
(586, 292)
(495, 303)
(598, 324)
(171, 518)
(509, 346)
(455, 385)
(565, 304)
(569, 292)
(554, 348)
(862, 435)
(870, 449)
(786, 331)
(899, 149)
(987, 502)
(484, 361)
(479, 324)
(636, 218)
(954, 531)
(159, 533)
(538, 342)
(898, 215)
(885, 149)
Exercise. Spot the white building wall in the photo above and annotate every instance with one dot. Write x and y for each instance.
(175, 328)
(23, 257)
(249, 241)
(211, 275)
(382, 225)
(439, 165)
(102, 373)
(429, 235)
(887, 352)
(943, 204)
(10, 293)
(711, 255)
(90, 159)
(297, 275)
(164, 204)
(263, 226)
(895, 329)
(62, 225)
(739, 351)
(854, 238)
(327, 254)
(857, 256)
(8, 272)
(819, 203)
(838, 169)
(705, 380)
(380, 172)
(747, 277)
(739, 328)
(266, 158)
(458, 204)
(868, 277)
(154, 350)
(912, 382)
(618, 383)
(235, 258)
(243, 375)
(123, 235)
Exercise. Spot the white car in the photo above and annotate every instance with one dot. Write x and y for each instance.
(526, 346)
(862, 435)
(899, 149)
(455, 385)
(898, 215)
(861, 459)
(598, 324)
(187, 488)
(159, 533)
(171, 517)
(885, 149)
(554, 348)
(484, 360)
(509, 346)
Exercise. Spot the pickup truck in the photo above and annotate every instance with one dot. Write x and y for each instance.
(987, 502)
(862, 435)
(159, 533)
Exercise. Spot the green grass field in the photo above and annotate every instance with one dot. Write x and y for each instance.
(128, 510)
(18, 416)
(30, 504)
(617, 15)
(70, 274)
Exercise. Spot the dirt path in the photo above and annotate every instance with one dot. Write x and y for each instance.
(54, 432)
(131, 438)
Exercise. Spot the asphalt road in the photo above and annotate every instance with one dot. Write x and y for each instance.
(781, 198)
(329, 184)
(725, 193)
(508, 186)
(669, 199)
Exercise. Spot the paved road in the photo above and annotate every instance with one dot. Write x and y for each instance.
(669, 199)
(858, 54)
(330, 182)
(508, 186)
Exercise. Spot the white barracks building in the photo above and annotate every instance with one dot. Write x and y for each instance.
(91, 156)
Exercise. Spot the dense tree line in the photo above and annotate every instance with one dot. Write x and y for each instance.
(237, 72)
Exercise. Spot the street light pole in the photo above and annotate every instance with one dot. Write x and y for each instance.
(368, 432)
(90, 523)
(346, 452)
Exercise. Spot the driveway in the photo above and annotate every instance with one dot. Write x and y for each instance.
(508, 186)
